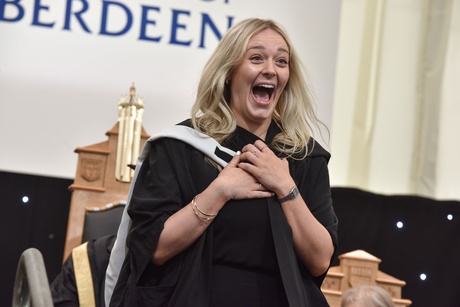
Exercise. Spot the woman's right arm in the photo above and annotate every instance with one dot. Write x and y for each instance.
(184, 227)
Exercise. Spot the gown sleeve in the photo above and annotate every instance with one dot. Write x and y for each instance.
(312, 178)
(171, 175)
(156, 196)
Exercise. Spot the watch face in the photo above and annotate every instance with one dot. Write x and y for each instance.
(295, 192)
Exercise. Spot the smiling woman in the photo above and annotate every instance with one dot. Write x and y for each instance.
(238, 234)
(259, 80)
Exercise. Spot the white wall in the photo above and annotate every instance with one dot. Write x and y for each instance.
(395, 124)
(59, 89)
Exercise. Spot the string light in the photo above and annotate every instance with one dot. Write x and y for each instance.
(25, 199)
(450, 217)
(423, 276)
(399, 224)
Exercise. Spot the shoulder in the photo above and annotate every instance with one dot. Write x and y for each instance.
(173, 135)
(315, 150)
(311, 165)
(178, 142)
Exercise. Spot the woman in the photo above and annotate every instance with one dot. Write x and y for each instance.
(262, 230)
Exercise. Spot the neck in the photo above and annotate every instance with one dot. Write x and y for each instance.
(257, 128)
(261, 134)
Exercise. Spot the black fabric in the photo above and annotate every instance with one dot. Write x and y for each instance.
(171, 176)
(64, 289)
(222, 154)
(249, 288)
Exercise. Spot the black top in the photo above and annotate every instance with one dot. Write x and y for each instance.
(169, 178)
(245, 270)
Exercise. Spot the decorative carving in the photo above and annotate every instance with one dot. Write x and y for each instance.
(130, 111)
(91, 169)
(359, 275)
(360, 268)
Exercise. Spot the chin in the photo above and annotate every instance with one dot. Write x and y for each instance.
(261, 118)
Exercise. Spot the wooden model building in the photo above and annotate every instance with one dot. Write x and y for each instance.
(360, 268)
(103, 172)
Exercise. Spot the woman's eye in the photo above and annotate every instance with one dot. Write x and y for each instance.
(256, 58)
(282, 61)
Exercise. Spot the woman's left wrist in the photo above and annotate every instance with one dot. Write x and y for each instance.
(293, 193)
(285, 190)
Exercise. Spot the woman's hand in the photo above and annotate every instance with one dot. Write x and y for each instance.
(262, 163)
(237, 183)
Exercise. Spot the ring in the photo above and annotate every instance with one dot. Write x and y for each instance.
(260, 185)
(255, 152)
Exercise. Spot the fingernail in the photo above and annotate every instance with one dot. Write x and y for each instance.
(238, 153)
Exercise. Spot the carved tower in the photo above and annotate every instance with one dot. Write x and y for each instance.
(103, 174)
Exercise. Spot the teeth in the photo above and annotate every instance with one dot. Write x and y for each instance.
(266, 85)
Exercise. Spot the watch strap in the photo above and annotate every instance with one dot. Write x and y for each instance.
(292, 194)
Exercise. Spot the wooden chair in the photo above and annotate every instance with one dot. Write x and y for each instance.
(102, 221)
(97, 181)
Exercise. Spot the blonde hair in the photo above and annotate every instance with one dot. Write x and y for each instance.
(294, 113)
(368, 296)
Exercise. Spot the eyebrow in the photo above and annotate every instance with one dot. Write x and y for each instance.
(258, 47)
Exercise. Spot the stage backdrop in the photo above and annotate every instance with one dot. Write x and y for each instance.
(65, 64)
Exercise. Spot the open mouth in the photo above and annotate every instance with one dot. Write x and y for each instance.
(263, 92)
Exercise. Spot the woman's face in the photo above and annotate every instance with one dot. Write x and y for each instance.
(258, 81)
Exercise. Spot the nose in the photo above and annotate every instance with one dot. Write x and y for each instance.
(269, 70)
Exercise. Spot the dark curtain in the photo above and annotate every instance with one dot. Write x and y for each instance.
(39, 223)
(426, 244)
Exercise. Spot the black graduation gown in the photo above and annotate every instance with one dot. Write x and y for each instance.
(63, 288)
(170, 177)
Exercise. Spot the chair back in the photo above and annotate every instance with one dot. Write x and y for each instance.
(102, 221)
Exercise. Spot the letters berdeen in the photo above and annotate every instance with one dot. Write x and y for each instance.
(75, 11)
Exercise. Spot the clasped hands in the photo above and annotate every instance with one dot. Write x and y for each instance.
(257, 172)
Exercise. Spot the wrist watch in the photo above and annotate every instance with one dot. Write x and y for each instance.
(292, 194)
